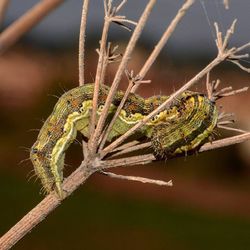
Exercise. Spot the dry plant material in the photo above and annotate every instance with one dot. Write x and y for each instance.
(82, 33)
(25, 23)
(3, 7)
(226, 4)
(139, 179)
(88, 109)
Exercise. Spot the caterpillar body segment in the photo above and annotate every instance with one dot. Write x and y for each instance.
(195, 120)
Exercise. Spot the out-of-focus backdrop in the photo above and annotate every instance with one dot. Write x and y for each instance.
(207, 208)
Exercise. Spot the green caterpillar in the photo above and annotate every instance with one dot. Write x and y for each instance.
(182, 128)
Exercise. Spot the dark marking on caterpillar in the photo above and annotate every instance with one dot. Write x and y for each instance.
(182, 128)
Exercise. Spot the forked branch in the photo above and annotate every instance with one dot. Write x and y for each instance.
(104, 57)
(223, 54)
(130, 47)
(93, 161)
(162, 42)
(77, 178)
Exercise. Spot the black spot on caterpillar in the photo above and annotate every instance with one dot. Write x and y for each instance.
(182, 128)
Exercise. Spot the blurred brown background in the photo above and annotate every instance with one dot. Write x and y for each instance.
(207, 208)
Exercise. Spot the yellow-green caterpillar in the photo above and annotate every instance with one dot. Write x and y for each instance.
(179, 129)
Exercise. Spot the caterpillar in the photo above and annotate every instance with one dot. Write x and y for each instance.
(181, 128)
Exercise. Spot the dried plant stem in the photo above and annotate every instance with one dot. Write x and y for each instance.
(223, 54)
(29, 221)
(225, 142)
(11, 34)
(228, 91)
(139, 159)
(94, 162)
(241, 66)
(45, 207)
(231, 129)
(139, 179)
(132, 86)
(99, 73)
(3, 7)
(82, 41)
(133, 148)
(125, 146)
(50, 202)
(105, 64)
(81, 57)
(243, 47)
(226, 4)
(209, 86)
(117, 112)
(165, 105)
(162, 42)
(130, 47)
(207, 146)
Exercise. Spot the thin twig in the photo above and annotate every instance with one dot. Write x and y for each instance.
(225, 122)
(209, 86)
(118, 8)
(132, 82)
(207, 146)
(243, 47)
(228, 91)
(132, 149)
(229, 33)
(81, 57)
(139, 159)
(225, 142)
(110, 56)
(82, 41)
(240, 66)
(130, 47)
(124, 20)
(100, 68)
(234, 92)
(226, 4)
(162, 42)
(21, 26)
(221, 91)
(3, 7)
(232, 129)
(225, 116)
(85, 149)
(138, 178)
